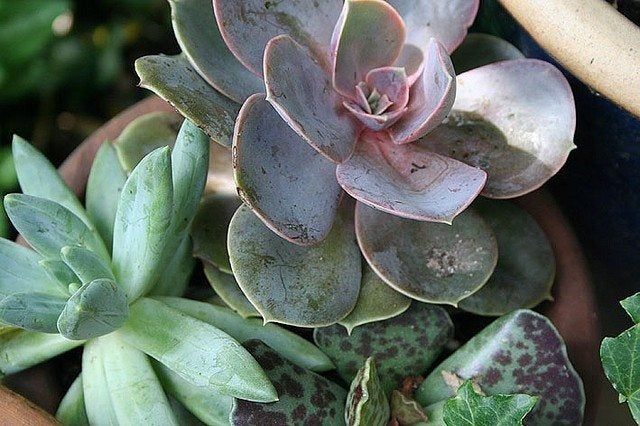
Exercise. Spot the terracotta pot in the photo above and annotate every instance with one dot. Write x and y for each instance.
(573, 312)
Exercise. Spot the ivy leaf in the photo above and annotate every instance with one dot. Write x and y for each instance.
(632, 306)
(470, 408)
(366, 401)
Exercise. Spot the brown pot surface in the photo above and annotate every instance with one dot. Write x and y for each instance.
(573, 311)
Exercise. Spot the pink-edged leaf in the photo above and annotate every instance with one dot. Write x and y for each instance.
(300, 90)
(369, 34)
(195, 29)
(390, 81)
(248, 25)
(412, 60)
(431, 97)
(444, 20)
(372, 121)
(408, 180)
(515, 120)
(289, 185)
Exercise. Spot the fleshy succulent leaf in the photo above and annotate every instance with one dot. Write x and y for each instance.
(480, 49)
(32, 311)
(48, 226)
(95, 309)
(39, 178)
(269, 157)
(60, 273)
(376, 301)
(248, 25)
(519, 353)
(445, 21)
(71, 410)
(303, 286)
(430, 262)
(412, 60)
(369, 34)
(304, 397)
(289, 345)
(227, 288)
(408, 180)
(134, 389)
(525, 270)
(106, 180)
(300, 90)
(210, 407)
(201, 42)
(143, 219)
(22, 349)
(406, 410)
(632, 306)
(521, 137)
(174, 80)
(85, 264)
(209, 230)
(177, 273)
(431, 97)
(199, 352)
(402, 346)
(20, 271)
(97, 400)
(468, 408)
(367, 404)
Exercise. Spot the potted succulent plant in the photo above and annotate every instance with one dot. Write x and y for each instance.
(356, 109)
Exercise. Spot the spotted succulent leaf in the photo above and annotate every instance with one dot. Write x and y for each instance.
(304, 397)
(405, 410)
(402, 346)
(519, 353)
(366, 401)
(472, 409)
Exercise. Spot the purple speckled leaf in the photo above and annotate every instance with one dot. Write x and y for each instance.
(305, 398)
(402, 346)
(408, 180)
(446, 21)
(431, 262)
(300, 90)
(248, 25)
(412, 60)
(288, 184)
(480, 49)
(515, 120)
(367, 404)
(194, 26)
(431, 97)
(369, 34)
(519, 353)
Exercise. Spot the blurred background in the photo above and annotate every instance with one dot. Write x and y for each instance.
(66, 66)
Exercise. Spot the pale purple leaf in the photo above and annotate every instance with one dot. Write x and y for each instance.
(412, 60)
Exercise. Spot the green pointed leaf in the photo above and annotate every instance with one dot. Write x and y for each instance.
(85, 264)
(210, 228)
(142, 223)
(106, 180)
(20, 272)
(288, 344)
(184, 416)
(22, 349)
(60, 273)
(39, 178)
(303, 286)
(367, 404)
(472, 409)
(227, 289)
(406, 410)
(520, 352)
(479, 49)
(403, 346)
(526, 265)
(632, 306)
(212, 408)
(97, 398)
(136, 393)
(48, 227)
(176, 276)
(97, 308)
(304, 397)
(200, 353)
(174, 80)
(71, 411)
(427, 261)
(144, 135)
(377, 301)
(32, 311)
